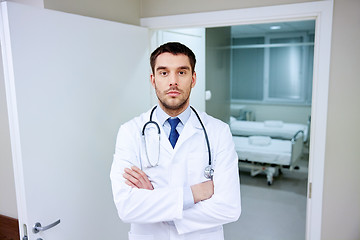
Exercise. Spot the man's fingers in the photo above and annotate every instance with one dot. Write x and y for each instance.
(138, 178)
(146, 181)
(133, 180)
(135, 168)
(138, 171)
(130, 184)
(133, 173)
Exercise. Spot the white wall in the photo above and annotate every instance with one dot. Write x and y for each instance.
(154, 8)
(7, 183)
(125, 11)
(341, 204)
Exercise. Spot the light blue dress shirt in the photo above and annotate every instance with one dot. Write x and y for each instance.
(188, 199)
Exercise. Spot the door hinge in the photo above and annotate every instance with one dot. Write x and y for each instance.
(310, 189)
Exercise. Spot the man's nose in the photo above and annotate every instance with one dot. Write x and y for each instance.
(173, 80)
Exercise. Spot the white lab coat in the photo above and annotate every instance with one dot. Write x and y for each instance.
(150, 211)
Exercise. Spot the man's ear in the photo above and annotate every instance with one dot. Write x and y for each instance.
(152, 80)
(193, 80)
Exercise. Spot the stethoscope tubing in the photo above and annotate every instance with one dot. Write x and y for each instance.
(151, 122)
(209, 167)
(206, 136)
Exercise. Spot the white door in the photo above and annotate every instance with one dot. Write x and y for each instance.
(70, 82)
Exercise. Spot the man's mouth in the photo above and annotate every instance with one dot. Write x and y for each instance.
(173, 93)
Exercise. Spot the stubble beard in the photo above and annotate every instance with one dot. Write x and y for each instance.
(173, 107)
(169, 106)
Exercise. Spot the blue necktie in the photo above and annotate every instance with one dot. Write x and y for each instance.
(174, 135)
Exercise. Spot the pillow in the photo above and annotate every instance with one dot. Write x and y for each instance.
(273, 123)
(259, 140)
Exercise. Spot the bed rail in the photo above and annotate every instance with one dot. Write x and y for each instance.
(297, 144)
(293, 139)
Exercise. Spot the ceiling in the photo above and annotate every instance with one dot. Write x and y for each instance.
(265, 28)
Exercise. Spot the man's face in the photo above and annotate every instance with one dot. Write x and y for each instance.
(173, 80)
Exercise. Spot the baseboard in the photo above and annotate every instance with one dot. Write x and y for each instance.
(9, 228)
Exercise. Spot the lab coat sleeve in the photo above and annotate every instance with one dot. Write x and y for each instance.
(225, 205)
(140, 205)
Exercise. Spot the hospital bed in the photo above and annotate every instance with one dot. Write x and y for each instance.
(271, 128)
(266, 147)
(262, 154)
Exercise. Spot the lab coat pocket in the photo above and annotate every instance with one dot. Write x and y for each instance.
(216, 234)
(133, 236)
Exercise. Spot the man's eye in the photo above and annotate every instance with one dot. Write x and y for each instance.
(182, 72)
(163, 73)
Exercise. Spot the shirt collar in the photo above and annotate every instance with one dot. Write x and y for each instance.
(163, 116)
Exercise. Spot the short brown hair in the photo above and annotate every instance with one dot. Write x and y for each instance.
(173, 48)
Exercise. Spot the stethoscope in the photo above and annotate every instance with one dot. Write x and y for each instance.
(208, 172)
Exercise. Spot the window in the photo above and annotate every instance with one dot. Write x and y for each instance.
(247, 69)
(272, 68)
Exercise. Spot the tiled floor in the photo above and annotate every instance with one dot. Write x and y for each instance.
(271, 212)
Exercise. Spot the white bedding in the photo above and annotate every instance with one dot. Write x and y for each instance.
(274, 129)
(276, 152)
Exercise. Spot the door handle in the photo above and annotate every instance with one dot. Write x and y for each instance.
(38, 228)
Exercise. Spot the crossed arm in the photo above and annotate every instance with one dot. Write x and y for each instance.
(138, 179)
(143, 202)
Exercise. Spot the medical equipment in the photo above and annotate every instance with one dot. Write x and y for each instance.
(262, 154)
(271, 128)
(208, 171)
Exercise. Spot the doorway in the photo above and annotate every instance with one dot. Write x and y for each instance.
(269, 67)
(265, 70)
(321, 12)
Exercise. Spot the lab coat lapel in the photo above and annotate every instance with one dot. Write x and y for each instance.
(164, 141)
(191, 127)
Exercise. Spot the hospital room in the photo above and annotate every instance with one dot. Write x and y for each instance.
(259, 81)
(261, 68)
(270, 111)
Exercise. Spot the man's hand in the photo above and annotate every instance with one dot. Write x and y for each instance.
(137, 179)
(202, 191)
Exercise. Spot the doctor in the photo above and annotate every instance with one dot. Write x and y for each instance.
(158, 184)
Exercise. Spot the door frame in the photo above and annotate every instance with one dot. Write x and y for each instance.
(320, 11)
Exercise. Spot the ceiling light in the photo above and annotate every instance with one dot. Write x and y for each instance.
(275, 27)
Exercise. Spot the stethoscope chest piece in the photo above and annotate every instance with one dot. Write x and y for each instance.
(208, 172)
